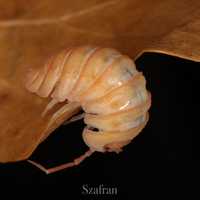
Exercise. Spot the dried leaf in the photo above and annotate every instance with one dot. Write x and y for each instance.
(30, 32)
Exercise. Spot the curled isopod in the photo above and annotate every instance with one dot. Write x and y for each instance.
(106, 85)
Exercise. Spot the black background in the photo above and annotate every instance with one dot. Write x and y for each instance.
(169, 143)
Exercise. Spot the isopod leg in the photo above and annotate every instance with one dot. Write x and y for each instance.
(76, 162)
(75, 118)
(50, 105)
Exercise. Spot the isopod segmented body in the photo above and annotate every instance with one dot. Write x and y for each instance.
(107, 86)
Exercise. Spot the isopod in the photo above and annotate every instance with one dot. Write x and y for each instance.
(106, 85)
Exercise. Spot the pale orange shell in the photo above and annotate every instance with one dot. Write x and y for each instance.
(107, 86)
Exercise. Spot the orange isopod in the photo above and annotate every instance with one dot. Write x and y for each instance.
(106, 85)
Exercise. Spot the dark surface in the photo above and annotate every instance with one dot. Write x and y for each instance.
(170, 137)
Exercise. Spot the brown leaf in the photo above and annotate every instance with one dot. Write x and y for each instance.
(30, 32)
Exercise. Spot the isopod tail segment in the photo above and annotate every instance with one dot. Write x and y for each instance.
(106, 85)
